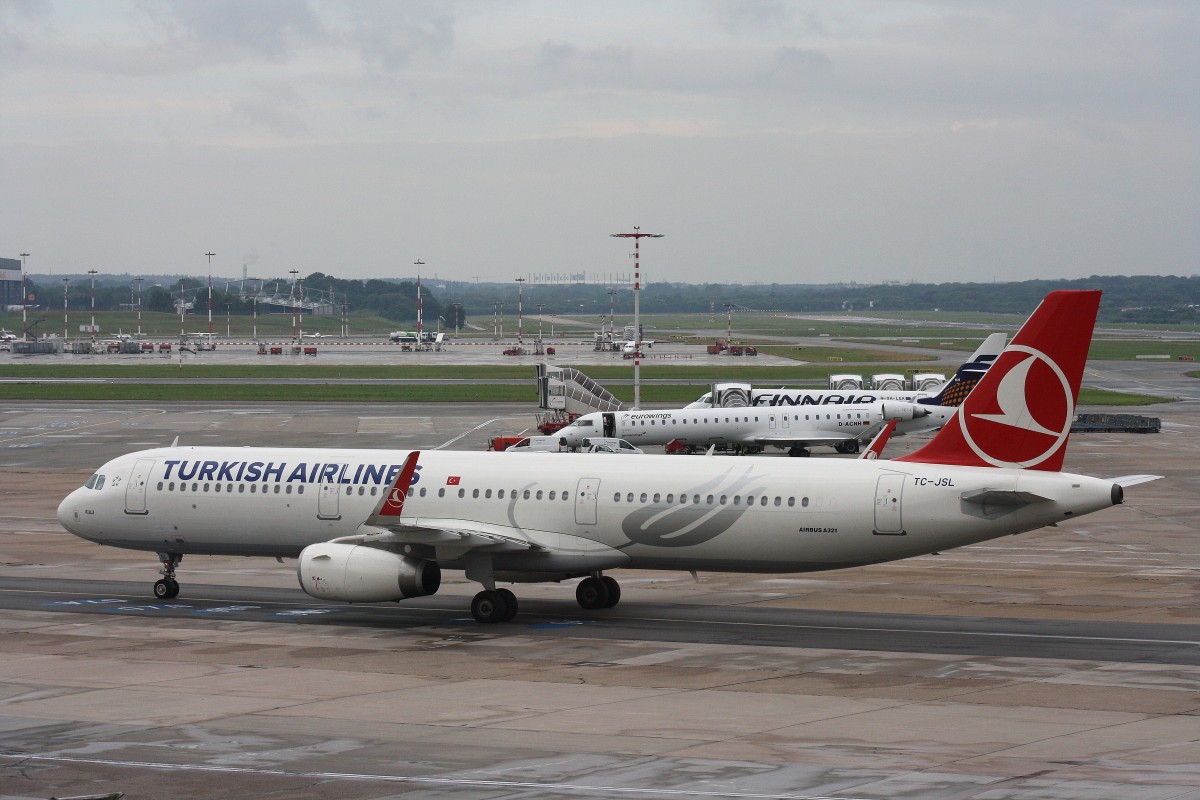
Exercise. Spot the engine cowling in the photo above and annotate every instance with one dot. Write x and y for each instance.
(353, 573)
(897, 410)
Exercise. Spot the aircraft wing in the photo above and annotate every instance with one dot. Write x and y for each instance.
(387, 527)
(457, 534)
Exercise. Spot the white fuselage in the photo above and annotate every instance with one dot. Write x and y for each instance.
(579, 512)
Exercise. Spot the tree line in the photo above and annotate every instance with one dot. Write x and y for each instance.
(1158, 299)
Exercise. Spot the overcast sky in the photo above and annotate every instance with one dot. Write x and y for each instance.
(769, 141)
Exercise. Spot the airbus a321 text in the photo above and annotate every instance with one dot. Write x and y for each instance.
(380, 525)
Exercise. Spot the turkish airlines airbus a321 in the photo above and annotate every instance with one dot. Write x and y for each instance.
(380, 525)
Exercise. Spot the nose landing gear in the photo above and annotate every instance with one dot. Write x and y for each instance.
(168, 587)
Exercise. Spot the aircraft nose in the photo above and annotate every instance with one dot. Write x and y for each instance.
(68, 512)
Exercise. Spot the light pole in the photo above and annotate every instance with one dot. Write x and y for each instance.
(182, 306)
(65, 282)
(92, 273)
(637, 236)
(540, 306)
(24, 295)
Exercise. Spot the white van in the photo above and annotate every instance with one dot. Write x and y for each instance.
(598, 444)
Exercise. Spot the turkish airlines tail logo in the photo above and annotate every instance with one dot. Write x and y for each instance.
(1019, 415)
(394, 505)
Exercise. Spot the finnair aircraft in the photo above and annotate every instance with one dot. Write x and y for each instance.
(741, 394)
(372, 526)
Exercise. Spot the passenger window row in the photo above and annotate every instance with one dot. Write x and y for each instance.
(711, 499)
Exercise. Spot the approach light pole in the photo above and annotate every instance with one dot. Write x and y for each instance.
(520, 315)
(65, 282)
(138, 281)
(292, 301)
(24, 297)
(612, 292)
(210, 258)
(728, 323)
(182, 307)
(637, 236)
(92, 273)
(420, 309)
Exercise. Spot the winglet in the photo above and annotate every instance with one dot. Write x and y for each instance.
(1020, 413)
(392, 504)
(875, 448)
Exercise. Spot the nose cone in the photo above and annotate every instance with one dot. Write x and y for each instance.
(69, 513)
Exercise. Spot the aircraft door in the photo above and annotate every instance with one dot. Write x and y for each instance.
(771, 421)
(888, 493)
(329, 493)
(586, 492)
(135, 492)
(610, 425)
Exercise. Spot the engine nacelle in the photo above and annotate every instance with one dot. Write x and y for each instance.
(897, 410)
(354, 573)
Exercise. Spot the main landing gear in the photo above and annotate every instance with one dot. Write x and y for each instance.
(798, 451)
(494, 605)
(848, 446)
(500, 605)
(168, 587)
(598, 591)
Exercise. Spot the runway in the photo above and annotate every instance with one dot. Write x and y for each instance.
(1057, 664)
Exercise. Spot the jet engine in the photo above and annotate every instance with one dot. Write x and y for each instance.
(730, 395)
(902, 411)
(354, 573)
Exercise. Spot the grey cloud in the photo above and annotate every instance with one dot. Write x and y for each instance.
(388, 35)
(256, 29)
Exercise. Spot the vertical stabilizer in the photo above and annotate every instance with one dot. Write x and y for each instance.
(1020, 413)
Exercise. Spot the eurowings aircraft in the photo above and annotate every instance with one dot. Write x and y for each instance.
(372, 526)
(742, 394)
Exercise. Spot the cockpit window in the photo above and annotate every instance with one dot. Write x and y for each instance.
(95, 482)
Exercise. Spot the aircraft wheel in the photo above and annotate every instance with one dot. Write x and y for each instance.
(591, 594)
(798, 451)
(162, 590)
(488, 607)
(510, 602)
(614, 591)
(851, 446)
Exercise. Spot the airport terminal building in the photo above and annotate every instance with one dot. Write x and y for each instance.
(10, 282)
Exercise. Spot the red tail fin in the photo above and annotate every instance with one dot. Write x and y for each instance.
(1020, 413)
(392, 505)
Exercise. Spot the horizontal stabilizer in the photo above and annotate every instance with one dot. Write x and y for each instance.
(1134, 480)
